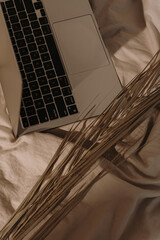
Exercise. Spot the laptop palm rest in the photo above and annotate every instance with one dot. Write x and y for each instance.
(80, 44)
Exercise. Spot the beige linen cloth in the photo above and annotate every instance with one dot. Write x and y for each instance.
(125, 204)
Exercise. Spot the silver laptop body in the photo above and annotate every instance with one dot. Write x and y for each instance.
(87, 81)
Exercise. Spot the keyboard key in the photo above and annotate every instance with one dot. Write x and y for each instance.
(63, 81)
(42, 48)
(13, 41)
(31, 76)
(48, 99)
(42, 81)
(52, 112)
(14, 19)
(23, 51)
(8, 24)
(11, 36)
(33, 85)
(18, 35)
(53, 82)
(31, 111)
(72, 109)
(28, 68)
(21, 43)
(11, 33)
(54, 55)
(36, 94)
(46, 29)
(11, 11)
(25, 83)
(16, 27)
(33, 120)
(51, 74)
(42, 12)
(40, 40)
(27, 31)
(39, 103)
(48, 65)
(23, 74)
(35, 55)
(22, 112)
(26, 60)
(3, 7)
(40, 72)
(25, 122)
(29, 6)
(32, 47)
(6, 17)
(20, 65)
(25, 23)
(15, 49)
(38, 5)
(35, 24)
(32, 17)
(9, 4)
(45, 89)
(37, 63)
(69, 100)
(18, 57)
(37, 32)
(56, 91)
(66, 91)
(61, 106)
(43, 20)
(22, 15)
(42, 114)
(45, 57)
(26, 92)
(19, 5)
(29, 38)
(28, 102)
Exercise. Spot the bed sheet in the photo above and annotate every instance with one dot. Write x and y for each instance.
(124, 205)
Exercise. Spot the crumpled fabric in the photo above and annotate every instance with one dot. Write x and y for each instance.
(125, 204)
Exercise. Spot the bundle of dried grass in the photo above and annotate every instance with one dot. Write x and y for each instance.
(67, 178)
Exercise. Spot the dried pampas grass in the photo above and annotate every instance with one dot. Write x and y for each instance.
(68, 176)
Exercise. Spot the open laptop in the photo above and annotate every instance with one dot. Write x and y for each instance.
(54, 67)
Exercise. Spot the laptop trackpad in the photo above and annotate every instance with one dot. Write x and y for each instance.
(80, 44)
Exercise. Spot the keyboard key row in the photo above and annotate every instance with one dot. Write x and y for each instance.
(9, 4)
(33, 89)
(52, 111)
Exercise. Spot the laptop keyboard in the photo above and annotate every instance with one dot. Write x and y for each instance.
(46, 92)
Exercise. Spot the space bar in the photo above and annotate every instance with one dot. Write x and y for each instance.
(54, 55)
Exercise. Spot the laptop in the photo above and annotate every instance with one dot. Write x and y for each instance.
(54, 66)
